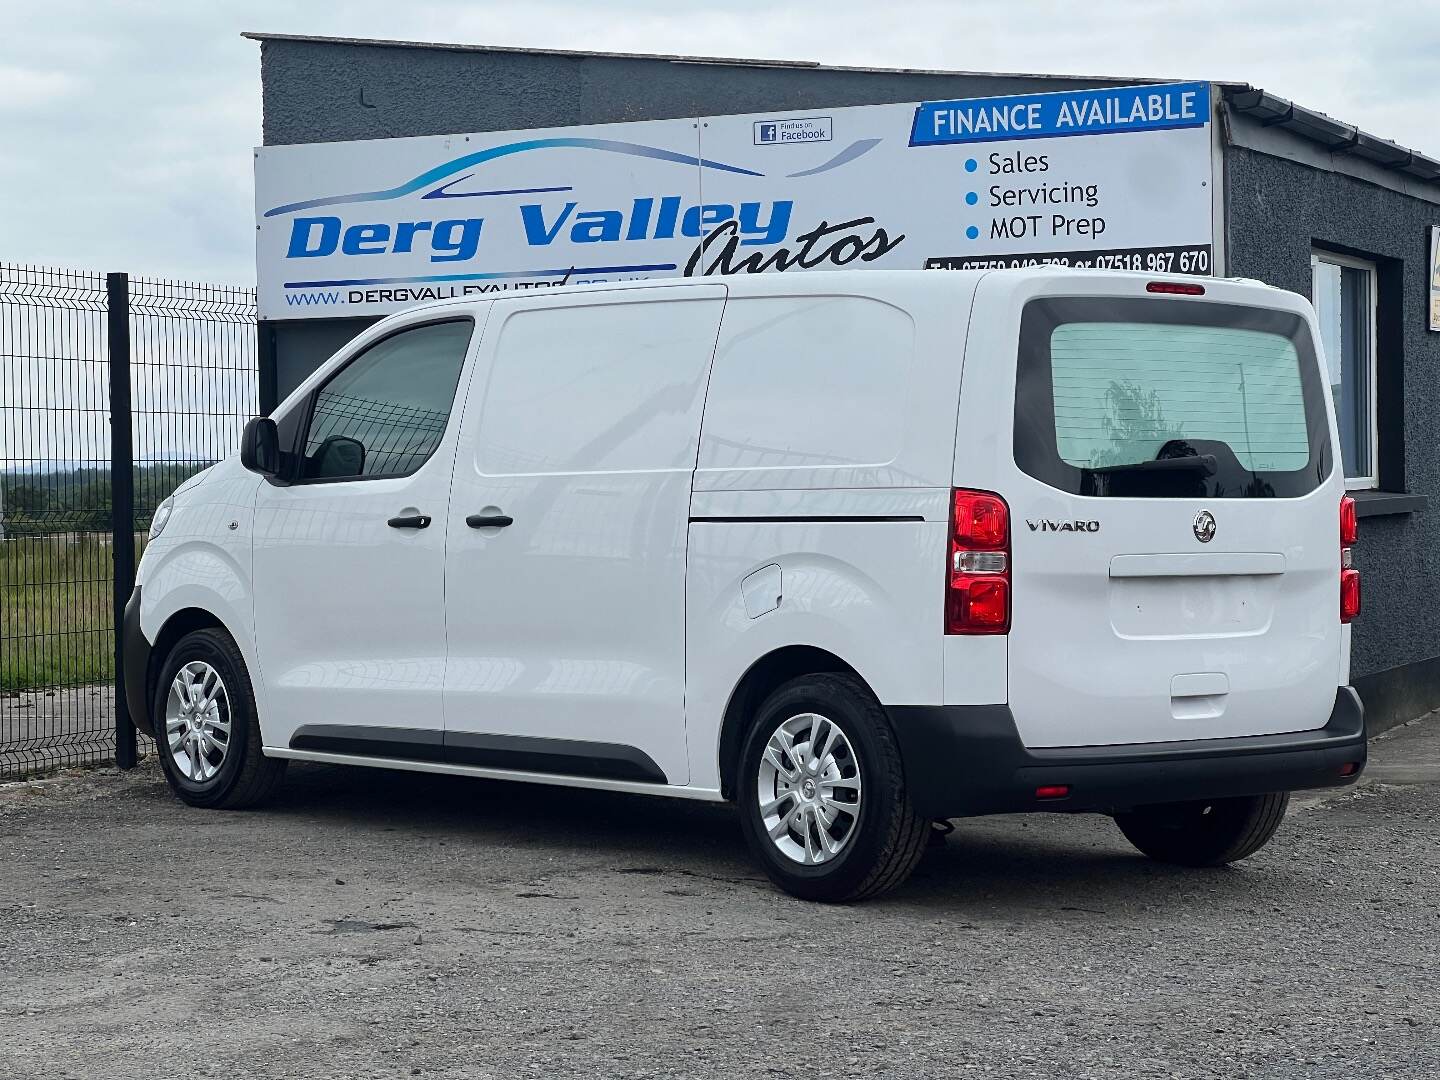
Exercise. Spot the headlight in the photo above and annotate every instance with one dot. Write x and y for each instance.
(162, 517)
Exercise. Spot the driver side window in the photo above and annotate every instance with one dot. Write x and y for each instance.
(384, 413)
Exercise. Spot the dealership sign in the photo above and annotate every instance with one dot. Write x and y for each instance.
(1109, 178)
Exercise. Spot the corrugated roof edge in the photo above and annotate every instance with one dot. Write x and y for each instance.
(814, 65)
(1337, 137)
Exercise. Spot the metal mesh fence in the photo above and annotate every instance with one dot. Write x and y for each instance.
(193, 381)
(56, 638)
(192, 384)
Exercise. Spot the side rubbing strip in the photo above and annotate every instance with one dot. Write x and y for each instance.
(572, 757)
(523, 753)
(418, 744)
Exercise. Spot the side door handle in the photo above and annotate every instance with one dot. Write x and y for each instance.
(489, 521)
(410, 521)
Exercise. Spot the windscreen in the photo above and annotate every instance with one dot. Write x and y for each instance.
(1168, 399)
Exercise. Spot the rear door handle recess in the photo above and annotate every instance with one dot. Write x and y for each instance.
(410, 521)
(489, 521)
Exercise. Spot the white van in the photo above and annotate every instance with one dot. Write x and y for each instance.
(855, 551)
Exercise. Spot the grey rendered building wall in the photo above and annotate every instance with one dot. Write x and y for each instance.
(1277, 211)
(319, 91)
(328, 91)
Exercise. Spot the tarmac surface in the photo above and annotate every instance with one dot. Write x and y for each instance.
(41, 730)
(374, 924)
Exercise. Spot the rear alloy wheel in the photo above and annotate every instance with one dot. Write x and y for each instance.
(809, 789)
(209, 731)
(1209, 832)
(822, 793)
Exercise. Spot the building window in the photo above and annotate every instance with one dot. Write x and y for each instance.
(1344, 292)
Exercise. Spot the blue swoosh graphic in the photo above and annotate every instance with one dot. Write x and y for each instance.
(440, 172)
(844, 157)
(644, 267)
(444, 192)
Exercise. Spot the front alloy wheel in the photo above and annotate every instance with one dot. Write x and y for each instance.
(197, 721)
(207, 725)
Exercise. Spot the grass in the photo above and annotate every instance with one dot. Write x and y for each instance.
(56, 616)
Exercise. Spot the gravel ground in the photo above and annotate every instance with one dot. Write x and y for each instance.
(393, 925)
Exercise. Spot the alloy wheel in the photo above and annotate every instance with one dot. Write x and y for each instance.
(809, 789)
(197, 721)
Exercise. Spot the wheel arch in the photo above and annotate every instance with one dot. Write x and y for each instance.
(182, 622)
(760, 680)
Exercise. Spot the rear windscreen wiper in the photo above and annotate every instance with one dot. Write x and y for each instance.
(1202, 463)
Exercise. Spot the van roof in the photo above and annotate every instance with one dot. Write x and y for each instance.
(830, 280)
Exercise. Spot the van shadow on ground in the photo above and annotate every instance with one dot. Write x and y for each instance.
(1055, 862)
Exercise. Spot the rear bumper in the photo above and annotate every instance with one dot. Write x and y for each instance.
(135, 651)
(968, 759)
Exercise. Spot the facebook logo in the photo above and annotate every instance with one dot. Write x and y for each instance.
(792, 130)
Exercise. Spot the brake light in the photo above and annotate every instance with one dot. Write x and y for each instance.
(977, 595)
(1349, 576)
(1349, 522)
(1175, 288)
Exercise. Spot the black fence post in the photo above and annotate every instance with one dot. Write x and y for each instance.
(122, 496)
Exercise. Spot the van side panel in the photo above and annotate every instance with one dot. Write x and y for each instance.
(868, 593)
(819, 390)
(820, 515)
(565, 626)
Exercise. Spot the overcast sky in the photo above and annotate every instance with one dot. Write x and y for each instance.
(127, 127)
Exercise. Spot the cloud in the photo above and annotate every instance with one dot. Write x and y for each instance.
(129, 126)
(23, 89)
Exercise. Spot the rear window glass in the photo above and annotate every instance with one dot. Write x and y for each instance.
(1168, 399)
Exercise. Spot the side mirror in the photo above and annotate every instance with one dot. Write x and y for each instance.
(260, 447)
(337, 456)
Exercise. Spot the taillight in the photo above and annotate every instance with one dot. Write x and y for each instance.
(1349, 576)
(977, 599)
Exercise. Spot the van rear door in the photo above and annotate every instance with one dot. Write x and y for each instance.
(1174, 504)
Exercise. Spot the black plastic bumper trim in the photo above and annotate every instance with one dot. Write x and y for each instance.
(969, 759)
(135, 665)
(520, 753)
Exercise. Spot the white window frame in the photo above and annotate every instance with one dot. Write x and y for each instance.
(1320, 255)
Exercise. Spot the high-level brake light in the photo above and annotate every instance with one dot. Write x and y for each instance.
(1175, 288)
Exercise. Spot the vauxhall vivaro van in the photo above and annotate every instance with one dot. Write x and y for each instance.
(855, 551)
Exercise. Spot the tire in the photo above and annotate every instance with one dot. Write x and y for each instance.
(228, 772)
(876, 846)
(1207, 833)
